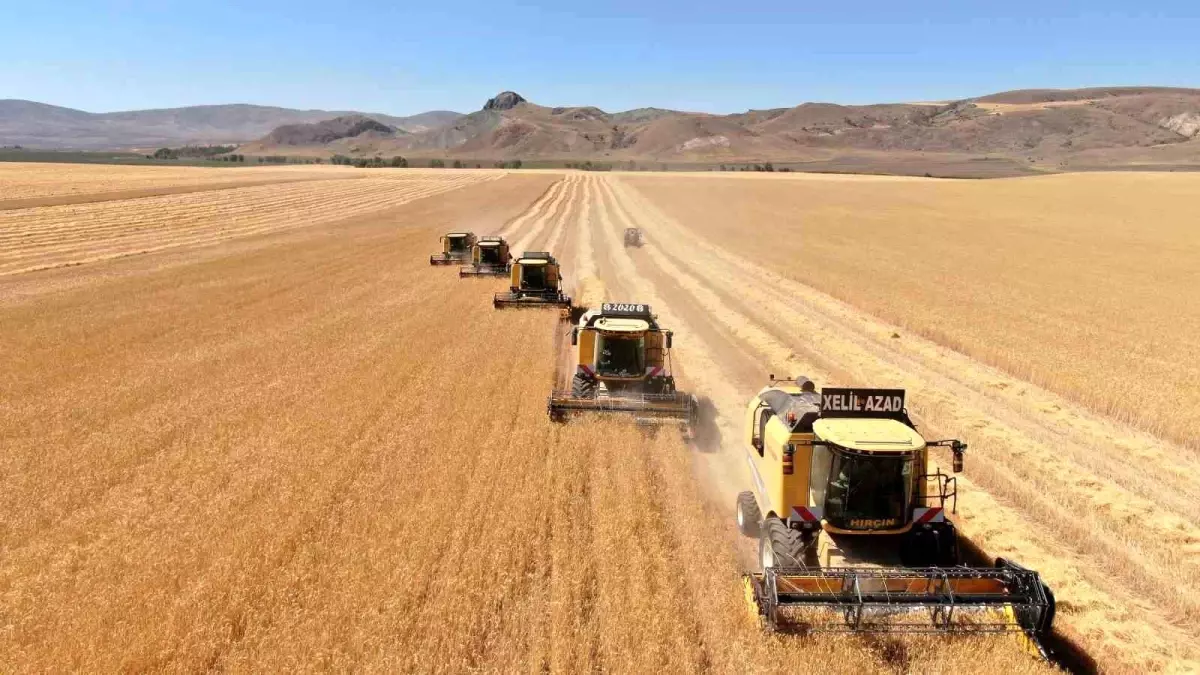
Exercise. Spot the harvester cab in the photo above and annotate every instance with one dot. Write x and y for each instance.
(534, 281)
(849, 465)
(489, 257)
(623, 365)
(456, 249)
(633, 237)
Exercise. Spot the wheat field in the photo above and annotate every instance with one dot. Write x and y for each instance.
(293, 445)
(40, 184)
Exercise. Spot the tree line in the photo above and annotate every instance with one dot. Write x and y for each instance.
(767, 166)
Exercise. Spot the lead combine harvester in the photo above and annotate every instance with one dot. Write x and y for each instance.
(535, 281)
(852, 526)
(623, 365)
(489, 258)
(456, 249)
(633, 237)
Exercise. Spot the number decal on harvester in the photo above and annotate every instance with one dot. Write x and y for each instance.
(624, 308)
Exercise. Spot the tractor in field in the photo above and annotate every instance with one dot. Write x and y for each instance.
(633, 237)
(535, 280)
(623, 365)
(489, 258)
(852, 528)
(456, 249)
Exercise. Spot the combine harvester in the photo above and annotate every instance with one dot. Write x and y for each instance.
(489, 258)
(623, 365)
(535, 281)
(852, 525)
(633, 237)
(456, 248)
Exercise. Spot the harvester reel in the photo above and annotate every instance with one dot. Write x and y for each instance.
(1006, 598)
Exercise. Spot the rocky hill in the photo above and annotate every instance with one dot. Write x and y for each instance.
(327, 131)
(38, 125)
(1046, 128)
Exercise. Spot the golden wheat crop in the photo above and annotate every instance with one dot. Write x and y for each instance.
(317, 452)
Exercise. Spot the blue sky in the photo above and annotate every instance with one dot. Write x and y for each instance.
(404, 58)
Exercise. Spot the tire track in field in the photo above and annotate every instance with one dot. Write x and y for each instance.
(547, 215)
(570, 216)
(846, 341)
(36, 239)
(588, 290)
(540, 204)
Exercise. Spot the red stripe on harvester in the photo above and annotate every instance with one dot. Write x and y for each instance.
(930, 514)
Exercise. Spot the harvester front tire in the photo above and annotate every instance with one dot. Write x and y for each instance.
(583, 386)
(780, 545)
(749, 518)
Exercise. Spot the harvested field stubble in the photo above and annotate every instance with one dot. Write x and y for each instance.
(58, 182)
(317, 452)
(1082, 283)
(58, 236)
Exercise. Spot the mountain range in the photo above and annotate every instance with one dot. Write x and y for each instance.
(1012, 131)
(39, 125)
(1044, 128)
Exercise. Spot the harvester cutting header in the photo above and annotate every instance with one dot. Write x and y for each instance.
(623, 365)
(843, 492)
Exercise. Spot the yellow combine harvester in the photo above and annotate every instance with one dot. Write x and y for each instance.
(633, 237)
(535, 281)
(623, 364)
(456, 248)
(489, 258)
(848, 466)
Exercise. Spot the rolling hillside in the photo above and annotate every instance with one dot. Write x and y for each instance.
(38, 125)
(1042, 128)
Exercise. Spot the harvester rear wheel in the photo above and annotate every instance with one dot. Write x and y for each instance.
(583, 386)
(749, 518)
(780, 546)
